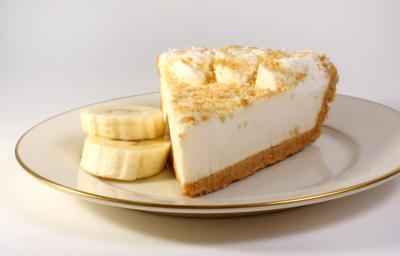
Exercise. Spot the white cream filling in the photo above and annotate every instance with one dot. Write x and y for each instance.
(210, 146)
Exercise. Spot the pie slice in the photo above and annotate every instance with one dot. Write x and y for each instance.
(234, 110)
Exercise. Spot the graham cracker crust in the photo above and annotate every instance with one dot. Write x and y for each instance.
(267, 157)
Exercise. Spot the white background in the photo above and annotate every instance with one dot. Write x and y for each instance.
(56, 55)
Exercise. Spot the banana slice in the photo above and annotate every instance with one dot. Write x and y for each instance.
(124, 160)
(123, 122)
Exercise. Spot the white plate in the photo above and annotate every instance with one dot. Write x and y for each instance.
(359, 149)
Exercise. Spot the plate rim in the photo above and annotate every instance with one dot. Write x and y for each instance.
(338, 192)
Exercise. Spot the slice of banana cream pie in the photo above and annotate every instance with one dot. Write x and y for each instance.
(234, 110)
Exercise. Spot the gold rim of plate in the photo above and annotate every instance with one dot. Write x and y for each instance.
(78, 192)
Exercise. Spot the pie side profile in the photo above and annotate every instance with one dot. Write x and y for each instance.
(234, 110)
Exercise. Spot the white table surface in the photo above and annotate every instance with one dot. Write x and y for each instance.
(56, 55)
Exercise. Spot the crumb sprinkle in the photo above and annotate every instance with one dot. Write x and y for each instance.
(197, 103)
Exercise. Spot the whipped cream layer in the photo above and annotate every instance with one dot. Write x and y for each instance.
(291, 88)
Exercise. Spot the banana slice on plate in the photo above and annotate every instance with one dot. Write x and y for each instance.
(124, 160)
(123, 122)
